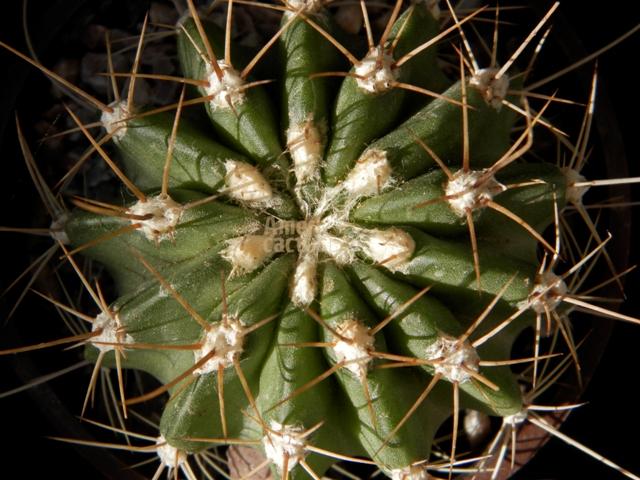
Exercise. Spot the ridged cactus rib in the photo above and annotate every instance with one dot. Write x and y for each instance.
(248, 123)
(370, 101)
(335, 279)
(198, 161)
(438, 125)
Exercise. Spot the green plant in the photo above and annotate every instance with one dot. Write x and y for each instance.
(273, 291)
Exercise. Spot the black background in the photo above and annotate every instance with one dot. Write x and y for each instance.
(610, 423)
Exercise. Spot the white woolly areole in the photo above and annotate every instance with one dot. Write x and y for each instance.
(370, 175)
(392, 248)
(165, 216)
(548, 291)
(112, 121)
(226, 339)
(468, 192)
(476, 424)
(304, 284)
(494, 90)
(354, 347)
(169, 455)
(284, 441)
(412, 472)
(574, 194)
(247, 253)
(110, 332)
(57, 231)
(452, 358)
(304, 141)
(245, 183)
(337, 248)
(375, 73)
(307, 6)
(516, 418)
(228, 91)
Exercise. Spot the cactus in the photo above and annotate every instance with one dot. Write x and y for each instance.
(329, 269)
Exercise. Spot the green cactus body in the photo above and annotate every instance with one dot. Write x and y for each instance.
(198, 161)
(247, 121)
(365, 108)
(276, 289)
